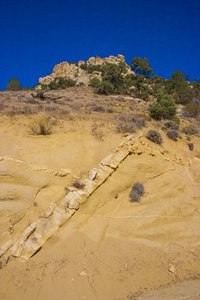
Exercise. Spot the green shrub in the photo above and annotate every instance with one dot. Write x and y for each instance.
(176, 119)
(61, 83)
(84, 66)
(192, 109)
(95, 82)
(163, 108)
(113, 81)
(179, 88)
(91, 69)
(14, 85)
(154, 136)
(105, 87)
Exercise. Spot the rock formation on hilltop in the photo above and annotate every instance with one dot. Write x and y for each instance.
(78, 72)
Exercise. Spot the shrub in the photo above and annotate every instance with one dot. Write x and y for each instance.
(154, 136)
(61, 83)
(176, 119)
(41, 126)
(105, 88)
(171, 125)
(95, 82)
(84, 66)
(144, 95)
(113, 81)
(136, 192)
(14, 85)
(163, 108)
(139, 122)
(173, 135)
(125, 128)
(192, 109)
(91, 69)
(97, 132)
(77, 184)
(99, 109)
(190, 130)
(191, 146)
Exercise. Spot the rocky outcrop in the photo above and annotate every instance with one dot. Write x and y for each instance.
(79, 75)
(56, 205)
(36, 234)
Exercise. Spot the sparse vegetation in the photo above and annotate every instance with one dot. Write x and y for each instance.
(191, 146)
(125, 128)
(97, 132)
(154, 136)
(192, 109)
(190, 129)
(139, 122)
(171, 125)
(137, 192)
(78, 184)
(59, 83)
(173, 135)
(41, 126)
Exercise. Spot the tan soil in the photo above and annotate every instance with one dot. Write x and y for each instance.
(110, 248)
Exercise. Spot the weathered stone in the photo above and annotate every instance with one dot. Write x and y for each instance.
(90, 186)
(172, 269)
(5, 247)
(43, 231)
(28, 231)
(55, 213)
(4, 260)
(120, 156)
(17, 248)
(108, 161)
(79, 75)
(73, 199)
(92, 174)
(60, 215)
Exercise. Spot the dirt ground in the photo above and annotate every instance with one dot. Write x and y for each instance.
(110, 248)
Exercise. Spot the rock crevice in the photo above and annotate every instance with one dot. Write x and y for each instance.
(35, 235)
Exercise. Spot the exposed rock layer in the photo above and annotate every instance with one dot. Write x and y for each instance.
(76, 73)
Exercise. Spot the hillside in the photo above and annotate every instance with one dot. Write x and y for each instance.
(101, 245)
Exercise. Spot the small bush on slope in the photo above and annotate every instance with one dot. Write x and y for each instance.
(154, 136)
(136, 192)
(41, 126)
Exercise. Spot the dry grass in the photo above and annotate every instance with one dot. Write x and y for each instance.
(41, 126)
(125, 114)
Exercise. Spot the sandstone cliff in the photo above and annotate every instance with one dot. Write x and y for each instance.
(75, 72)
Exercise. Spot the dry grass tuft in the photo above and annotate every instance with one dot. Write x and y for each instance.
(41, 126)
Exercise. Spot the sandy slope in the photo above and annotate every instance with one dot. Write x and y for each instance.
(111, 248)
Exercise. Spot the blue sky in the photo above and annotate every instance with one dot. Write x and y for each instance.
(37, 35)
